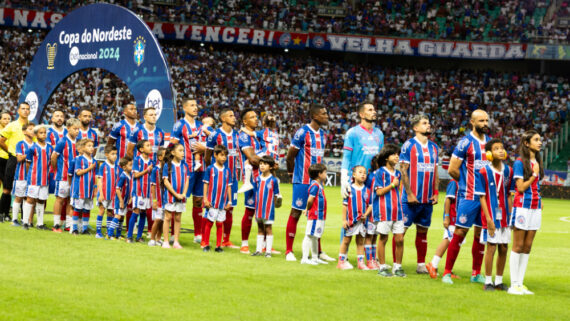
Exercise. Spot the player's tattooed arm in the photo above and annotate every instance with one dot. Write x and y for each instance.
(412, 199)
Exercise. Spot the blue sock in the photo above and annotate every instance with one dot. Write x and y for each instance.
(85, 220)
(373, 251)
(109, 220)
(132, 222)
(99, 223)
(367, 250)
(120, 227)
(75, 223)
(111, 227)
(140, 228)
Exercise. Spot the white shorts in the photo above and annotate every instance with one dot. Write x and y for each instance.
(38, 192)
(141, 203)
(158, 214)
(356, 229)
(265, 222)
(372, 228)
(448, 233)
(502, 236)
(178, 207)
(82, 204)
(19, 189)
(215, 214)
(315, 228)
(62, 189)
(526, 219)
(121, 212)
(396, 227)
(107, 204)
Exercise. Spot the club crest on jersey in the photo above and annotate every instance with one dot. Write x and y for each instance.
(299, 202)
(462, 144)
(463, 219)
(319, 230)
(520, 220)
(250, 201)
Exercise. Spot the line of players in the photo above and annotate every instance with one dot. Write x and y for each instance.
(306, 150)
(480, 195)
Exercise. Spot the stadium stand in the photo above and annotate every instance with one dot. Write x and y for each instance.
(286, 84)
(487, 20)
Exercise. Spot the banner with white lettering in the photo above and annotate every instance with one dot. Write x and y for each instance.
(416, 47)
(302, 40)
(102, 36)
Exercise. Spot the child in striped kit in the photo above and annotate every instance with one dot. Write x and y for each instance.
(494, 188)
(142, 167)
(267, 198)
(175, 178)
(316, 214)
(387, 206)
(37, 177)
(20, 182)
(106, 180)
(355, 210)
(122, 198)
(217, 197)
(156, 195)
(83, 186)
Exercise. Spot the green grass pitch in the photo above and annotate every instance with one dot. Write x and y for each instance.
(48, 276)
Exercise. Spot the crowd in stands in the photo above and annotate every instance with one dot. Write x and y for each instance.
(476, 20)
(286, 85)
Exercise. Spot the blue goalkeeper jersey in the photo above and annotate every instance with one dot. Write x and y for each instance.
(360, 146)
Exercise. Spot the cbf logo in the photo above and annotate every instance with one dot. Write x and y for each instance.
(318, 42)
(140, 44)
(285, 40)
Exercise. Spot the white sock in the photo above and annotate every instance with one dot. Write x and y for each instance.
(269, 243)
(314, 248)
(396, 266)
(514, 267)
(435, 261)
(248, 171)
(488, 279)
(56, 219)
(244, 243)
(68, 220)
(498, 279)
(259, 245)
(40, 214)
(15, 210)
(27, 210)
(306, 246)
(522, 267)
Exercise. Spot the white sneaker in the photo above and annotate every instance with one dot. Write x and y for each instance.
(325, 257)
(198, 239)
(321, 261)
(309, 262)
(344, 266)
(152, 243)
(159, 243)
(525, 290)
(516, 290)
(290, 257)
(245, 187)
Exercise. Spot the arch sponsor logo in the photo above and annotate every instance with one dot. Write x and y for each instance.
(33, 101)
(154, 100)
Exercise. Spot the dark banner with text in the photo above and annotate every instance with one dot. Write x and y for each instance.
(298, 40)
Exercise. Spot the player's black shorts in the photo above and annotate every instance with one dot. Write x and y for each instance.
(3, 162)
(9, 173)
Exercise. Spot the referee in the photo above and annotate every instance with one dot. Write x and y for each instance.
(9, 137)
(5, 119)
